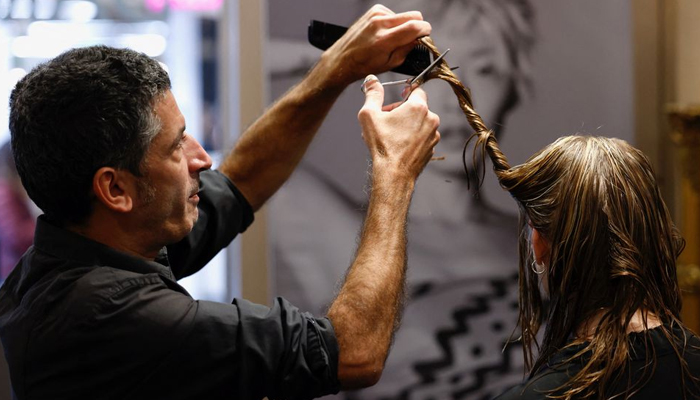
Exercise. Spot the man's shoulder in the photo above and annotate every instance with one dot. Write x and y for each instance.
(105, 281)
(65, 287)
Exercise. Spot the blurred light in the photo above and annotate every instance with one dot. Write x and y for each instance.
(39, 47)
(95, 28)
(41, 28)
(47, 39)
(151, 44)
(4, 8)
(157, 27)
(164, 66)
(155, 6)
(192, 5)
(69, 31)
(77, 10)
(44, 9)
(44, 47)
(14, 75)
(22, 9)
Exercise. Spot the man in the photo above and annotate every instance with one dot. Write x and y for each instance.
(93, 309)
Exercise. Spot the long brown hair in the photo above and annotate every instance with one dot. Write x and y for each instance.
(613, 249)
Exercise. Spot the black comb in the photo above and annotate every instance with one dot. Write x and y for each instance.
(322, 35)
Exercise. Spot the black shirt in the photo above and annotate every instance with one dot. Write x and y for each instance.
(665, 383)
(81, 320)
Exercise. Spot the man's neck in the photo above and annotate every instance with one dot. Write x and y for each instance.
(112, 233)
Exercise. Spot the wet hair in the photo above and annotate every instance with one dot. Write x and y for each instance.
(613, 249)
(85, 109)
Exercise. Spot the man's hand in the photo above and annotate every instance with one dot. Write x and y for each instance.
(368, 307)
(377, 42)
(400, 137)
(267, 153)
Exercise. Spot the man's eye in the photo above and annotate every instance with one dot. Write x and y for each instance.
(181, 143)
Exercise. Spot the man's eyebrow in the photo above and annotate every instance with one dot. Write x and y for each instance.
(178, 138)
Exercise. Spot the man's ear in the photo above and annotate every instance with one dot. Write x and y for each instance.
(116, 189)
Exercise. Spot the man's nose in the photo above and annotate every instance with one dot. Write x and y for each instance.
(197, 158)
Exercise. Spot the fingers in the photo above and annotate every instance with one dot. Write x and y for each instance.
(401, 134)
(407, 31)
(374, 93)
(418, 95)
(405, 36)
(435, 139)
(400, 18)
(392, 106)
(378, 9)
(377, 42)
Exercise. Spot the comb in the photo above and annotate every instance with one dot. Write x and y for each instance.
(322, 35)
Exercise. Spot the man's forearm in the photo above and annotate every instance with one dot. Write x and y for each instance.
(368, 308)
(270, 149)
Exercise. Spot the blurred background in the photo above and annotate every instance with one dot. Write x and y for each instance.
(537, 69)
(183, 35)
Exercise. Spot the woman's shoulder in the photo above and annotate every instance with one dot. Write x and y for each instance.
(538, 386)
(665, 339)
(667, 342)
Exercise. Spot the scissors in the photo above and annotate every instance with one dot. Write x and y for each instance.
(416, 81)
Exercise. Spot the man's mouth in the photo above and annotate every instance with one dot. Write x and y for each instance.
(198, 188)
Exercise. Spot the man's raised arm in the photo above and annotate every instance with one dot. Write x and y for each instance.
(368, 307)
(268, 151)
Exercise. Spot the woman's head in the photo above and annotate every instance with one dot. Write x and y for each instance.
(611, 241)
(610, 251)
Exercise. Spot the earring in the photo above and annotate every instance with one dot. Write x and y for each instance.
(537, 268)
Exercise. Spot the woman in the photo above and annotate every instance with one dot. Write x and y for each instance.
(597, 256)
(599, 241)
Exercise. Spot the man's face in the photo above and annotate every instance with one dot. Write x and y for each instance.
(167, 198)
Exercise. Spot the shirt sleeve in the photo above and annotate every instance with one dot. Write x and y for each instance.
(251, 351)
(223, 213)
(209, 350)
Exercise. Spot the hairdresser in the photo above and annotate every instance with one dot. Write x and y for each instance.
(94, 310)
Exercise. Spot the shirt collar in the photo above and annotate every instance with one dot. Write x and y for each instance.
(68, 245)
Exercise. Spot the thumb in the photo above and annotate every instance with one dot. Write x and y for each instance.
(374, 93)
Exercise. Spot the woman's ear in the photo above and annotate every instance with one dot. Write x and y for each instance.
(540, 246)
(116, 189)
